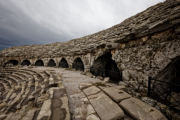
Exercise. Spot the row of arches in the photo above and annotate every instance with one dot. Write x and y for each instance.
(103, 66)
(77, 64)
(106, 67)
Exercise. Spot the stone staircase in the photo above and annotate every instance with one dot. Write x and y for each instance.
(113, 103)
(27, 94)
(43, 93)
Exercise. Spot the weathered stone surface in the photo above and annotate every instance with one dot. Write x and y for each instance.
(140, 110)
(90, 109)
(105, 107)
(92, 117)
(115, 94)
(91, 90)
(84, 85)
(29, 115)
(45, 110)
(140, 47)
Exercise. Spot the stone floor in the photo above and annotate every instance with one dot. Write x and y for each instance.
(44, 93)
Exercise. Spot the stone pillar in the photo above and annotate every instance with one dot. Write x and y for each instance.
(87, 68)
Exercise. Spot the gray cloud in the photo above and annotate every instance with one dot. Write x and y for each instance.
(45, 21)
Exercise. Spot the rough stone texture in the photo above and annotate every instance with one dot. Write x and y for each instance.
(141, 111)
(45, 110)
(91, 90)
(65, 101)
(116, 95)
(105, 107)
(92, 117)
(141, 47)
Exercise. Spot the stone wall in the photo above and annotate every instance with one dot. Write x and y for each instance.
(146, 59)
(141, 46)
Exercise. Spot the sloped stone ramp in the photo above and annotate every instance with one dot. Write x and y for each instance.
(42, 93)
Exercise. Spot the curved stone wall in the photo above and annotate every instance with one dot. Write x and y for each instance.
(141, 46)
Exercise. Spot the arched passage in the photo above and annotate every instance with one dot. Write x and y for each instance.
(167, 83)
(51, 63)
(106, 67)
(78, 64)
(63, 63)
(12, 62)
(26, 62)
(39, 63)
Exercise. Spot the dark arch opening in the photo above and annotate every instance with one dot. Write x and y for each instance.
(78, 64)
(106, 67)
(51, 63)
(63, 63)
(39, 63)
(167, 83)
(12, 62)
(26, 62)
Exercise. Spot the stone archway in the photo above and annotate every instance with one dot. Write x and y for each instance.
(39, 63)
(78, 64)
(26, 62)
(167, 83)
(11, 62)
(106, 67)
(63, 63)
(51, 63)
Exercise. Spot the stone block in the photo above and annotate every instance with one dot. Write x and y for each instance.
(84, 85)
(116, 95)
(91, 90)
(140, 110)
(92, 117)
(105, 107)
(45, 110)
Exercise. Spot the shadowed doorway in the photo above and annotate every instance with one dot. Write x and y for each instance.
(25, 62)
(78, 64)
(39, 63)
(106, 67)
(51, 63)
(63, 63)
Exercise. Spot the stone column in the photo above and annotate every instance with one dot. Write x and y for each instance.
(87, 68)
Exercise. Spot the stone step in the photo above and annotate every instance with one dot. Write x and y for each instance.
(18, 77)
(16, 115)
(116, 94)
(103, 105)
(6, 86)
(13, 81)
(9, 82)
(23, 75)
(45, 112)
(59, 106)
(140, 110)
(27, 92)
(29, 115)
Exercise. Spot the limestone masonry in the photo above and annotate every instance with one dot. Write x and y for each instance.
(137, 60)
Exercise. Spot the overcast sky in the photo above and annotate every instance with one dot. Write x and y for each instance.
(24, 22)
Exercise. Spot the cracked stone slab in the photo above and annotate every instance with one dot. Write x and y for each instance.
(140, 110)
(105, 107)
(84, 85)
(115, 94)
(91, 90)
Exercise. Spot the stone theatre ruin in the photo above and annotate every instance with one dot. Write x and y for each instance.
(129, 71)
